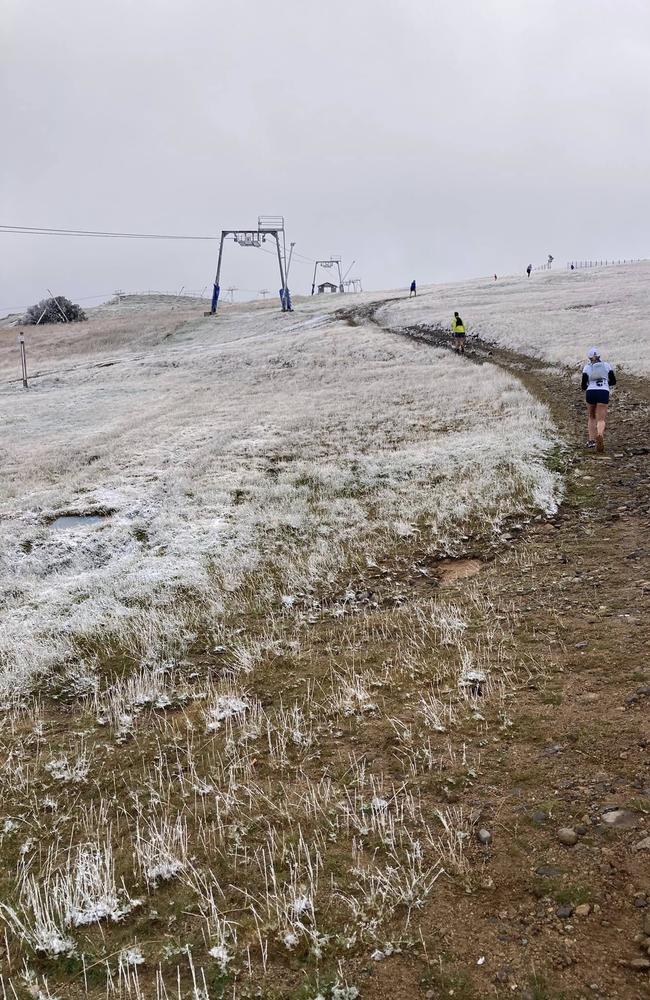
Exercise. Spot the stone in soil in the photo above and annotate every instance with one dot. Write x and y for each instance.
(620, 819)
(549, 871)
(484, 837)
(640, 964)
(583, 910)
(643, 845)
(567, 836)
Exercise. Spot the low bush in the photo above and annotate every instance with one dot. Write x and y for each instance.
(54, 310)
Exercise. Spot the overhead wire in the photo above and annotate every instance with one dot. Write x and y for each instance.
(106, 234)
(296, 256)
(44, 231)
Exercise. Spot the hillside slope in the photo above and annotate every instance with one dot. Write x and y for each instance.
(253, 444)
(345, 694)
(556, 315)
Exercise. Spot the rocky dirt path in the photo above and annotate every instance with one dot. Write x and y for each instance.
(565, 910)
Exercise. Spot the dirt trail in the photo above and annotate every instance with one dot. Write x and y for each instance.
(580, 744)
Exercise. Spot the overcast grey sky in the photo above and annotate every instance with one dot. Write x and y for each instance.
(426, 138)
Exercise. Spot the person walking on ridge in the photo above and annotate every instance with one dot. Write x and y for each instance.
(413, 290)
(597, 378)
(529, 269)
(458, 334)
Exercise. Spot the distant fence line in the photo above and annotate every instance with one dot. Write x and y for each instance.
(189, 293)
(578, 264)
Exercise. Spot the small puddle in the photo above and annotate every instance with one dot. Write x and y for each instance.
(76, 520)
(453, 570)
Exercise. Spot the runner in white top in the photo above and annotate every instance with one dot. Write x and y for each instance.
(597, 378)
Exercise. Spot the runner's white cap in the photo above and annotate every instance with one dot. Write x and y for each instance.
(593, 352)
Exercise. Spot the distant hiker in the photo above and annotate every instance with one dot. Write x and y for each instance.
(597, 377)
(495, 277)
(529, 269)
(458, 334)
(413, 290)
(573, 267)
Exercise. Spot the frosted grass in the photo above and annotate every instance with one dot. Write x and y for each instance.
(555, 315)
(255, 443)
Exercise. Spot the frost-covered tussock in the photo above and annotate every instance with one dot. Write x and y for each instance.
(161, 848)
(228, 705)
(81, 892)
(262, 440)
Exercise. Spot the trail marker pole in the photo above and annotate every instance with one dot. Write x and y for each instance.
(23, 359)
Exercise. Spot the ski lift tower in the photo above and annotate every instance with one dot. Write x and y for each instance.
(334, 259)
(268, 226)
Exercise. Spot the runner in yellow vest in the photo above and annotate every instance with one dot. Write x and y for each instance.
(458, 334)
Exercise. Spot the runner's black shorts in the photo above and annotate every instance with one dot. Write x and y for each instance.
(461, 336)
(597, 395)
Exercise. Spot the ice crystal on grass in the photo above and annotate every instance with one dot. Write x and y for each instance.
(131, 956)
(456, 825)
(225, 706)
(404, 881)
(161, 848)
(290, 940)
(350, 694)
(438, 715)
(221, 955)
(301, 905)
(70, 770)
(82, 893)
(87, 889)
(32, 986)
(39, 921)
(344, 992)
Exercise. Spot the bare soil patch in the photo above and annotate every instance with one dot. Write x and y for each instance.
(453, 570)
